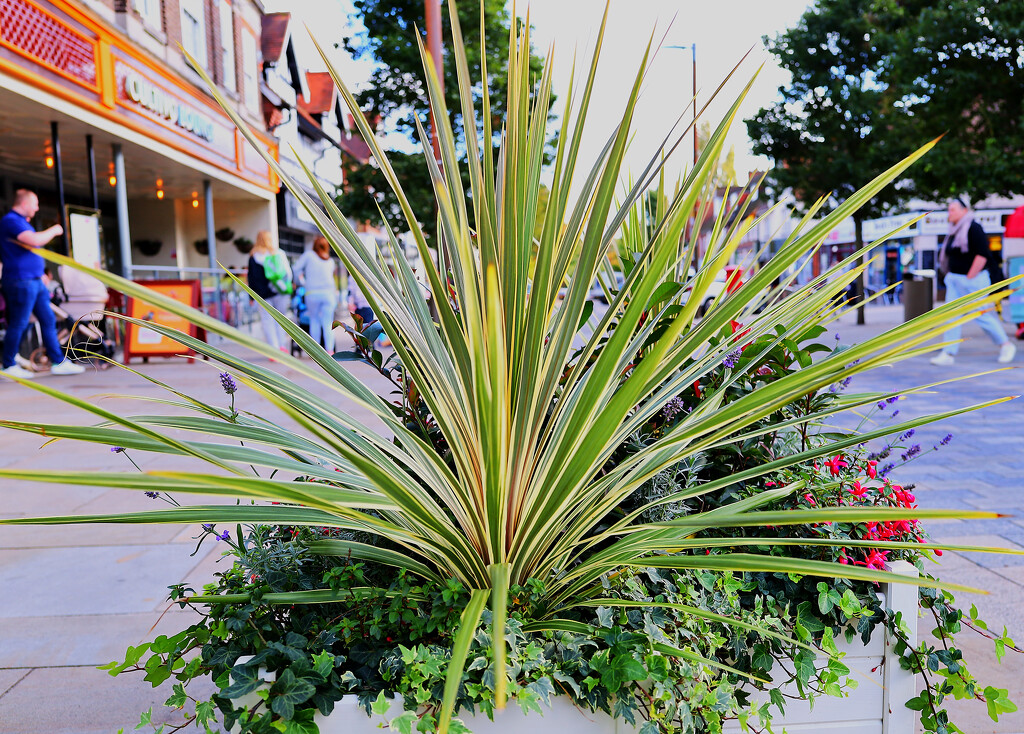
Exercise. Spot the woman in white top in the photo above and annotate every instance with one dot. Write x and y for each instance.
(317, 271)
(271, 279)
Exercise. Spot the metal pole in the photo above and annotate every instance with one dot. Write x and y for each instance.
(434, 47)
(211, 249)
(693, 48)
(58, 173)
(91, 155)
(433, 10)
(121, 192)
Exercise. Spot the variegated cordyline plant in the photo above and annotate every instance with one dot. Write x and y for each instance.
(531, 417)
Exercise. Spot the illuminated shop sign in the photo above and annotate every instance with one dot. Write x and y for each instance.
(159, 102)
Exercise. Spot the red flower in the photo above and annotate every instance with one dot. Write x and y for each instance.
(857, 490)
(835, 464)
(697, 390)
(871, 471)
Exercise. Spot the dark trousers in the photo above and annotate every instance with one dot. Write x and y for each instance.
(24, 298)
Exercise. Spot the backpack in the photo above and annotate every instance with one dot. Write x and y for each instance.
(278, 273)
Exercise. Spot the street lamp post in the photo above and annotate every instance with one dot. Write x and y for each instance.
(693, 51)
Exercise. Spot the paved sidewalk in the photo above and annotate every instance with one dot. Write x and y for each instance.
(75, 597)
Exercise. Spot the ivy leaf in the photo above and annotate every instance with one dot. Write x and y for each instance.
(205, 711)
(998, 702)
(404, 723)
(246, 680)
(289, 691)
(622, 669)
(604, 616)
(380, 705)
(323, 663)
(178, 698)
(302, 723)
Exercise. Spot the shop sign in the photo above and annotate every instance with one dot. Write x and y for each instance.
(148, 95)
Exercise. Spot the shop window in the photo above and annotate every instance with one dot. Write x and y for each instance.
(250, 71)
(227, 47)
(193, 30)
(150, 12)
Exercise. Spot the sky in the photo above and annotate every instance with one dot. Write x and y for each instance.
(723, 30)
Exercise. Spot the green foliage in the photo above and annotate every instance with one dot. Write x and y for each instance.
(397, 93)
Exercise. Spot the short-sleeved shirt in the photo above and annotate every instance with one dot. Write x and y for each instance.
(20, 263)
(977, 244)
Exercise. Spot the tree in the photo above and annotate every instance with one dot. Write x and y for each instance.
(956, 69)
(397, 92)
(823, 133)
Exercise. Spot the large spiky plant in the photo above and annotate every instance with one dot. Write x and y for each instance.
(530, 417)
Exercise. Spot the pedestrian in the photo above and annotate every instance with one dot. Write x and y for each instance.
(318, 272)
(270, 278)
(964, 259)
(24, 289)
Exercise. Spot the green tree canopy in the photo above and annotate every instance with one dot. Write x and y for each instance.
(397, 92)
(956, 69)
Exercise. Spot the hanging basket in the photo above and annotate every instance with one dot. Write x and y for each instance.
(148, 248)
(202, 246)
(244, 245)
(225, 234)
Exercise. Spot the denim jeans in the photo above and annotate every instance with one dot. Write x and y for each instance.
(25, 297)
(958, 286)
(320, 307)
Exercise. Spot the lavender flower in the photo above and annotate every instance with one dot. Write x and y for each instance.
(892, 400)
(895, 412)
(208, 527)
(153, 495)
(223, 536)
(886, 469)
(228, 383)
(673, 408)
(837, 336)
(946, 440)
(731, 359)
(908, 434)
(881, 405)
(911, 452)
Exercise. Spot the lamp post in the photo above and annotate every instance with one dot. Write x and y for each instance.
(693, 51)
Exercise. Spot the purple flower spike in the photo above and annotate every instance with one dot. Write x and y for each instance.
(208, 527)
(224, 536)
(673, 408)
(731, 359)
(892, 400)
(881, 405)
(153, 495)
(228, 383)
(117, 449)
(946, 440)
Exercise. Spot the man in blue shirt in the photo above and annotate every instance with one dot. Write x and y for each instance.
(23, 287)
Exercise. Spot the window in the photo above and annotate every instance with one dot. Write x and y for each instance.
(250, 70)
(227, 47)
(150, 12)
(193, 30)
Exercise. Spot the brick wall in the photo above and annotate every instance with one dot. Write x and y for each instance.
(216, 64)
(172, 22)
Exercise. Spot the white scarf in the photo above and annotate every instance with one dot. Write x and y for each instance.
(958, 232)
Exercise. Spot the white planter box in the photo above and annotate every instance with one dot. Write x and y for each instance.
(876, 706)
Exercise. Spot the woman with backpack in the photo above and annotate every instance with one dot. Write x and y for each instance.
(270, 277)
(318, 272)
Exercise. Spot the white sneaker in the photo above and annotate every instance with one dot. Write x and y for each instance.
(20, 372)
(67, 367)
(1006, 352)
(942, 359)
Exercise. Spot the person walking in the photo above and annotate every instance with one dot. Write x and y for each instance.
(317, 272)
(270, 277)
(964, 259)
(24, 289)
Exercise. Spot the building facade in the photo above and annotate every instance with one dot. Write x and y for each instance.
(100, 109)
